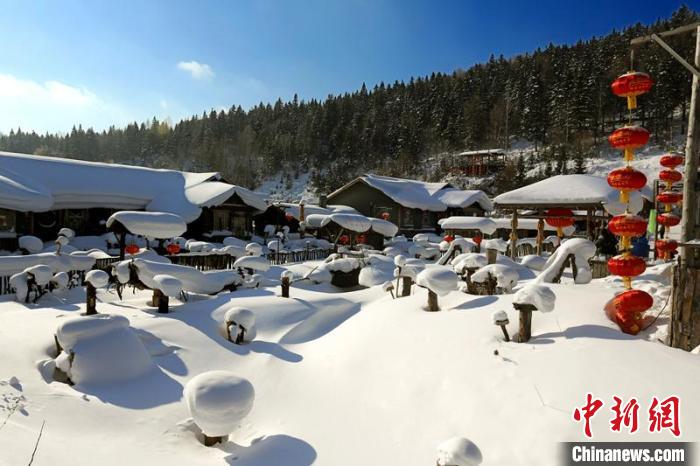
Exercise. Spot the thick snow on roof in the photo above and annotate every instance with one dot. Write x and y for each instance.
(158, 225)
(33, 183)
(295, 211)
(483, 224)
(458, 198)
(353, 222)
(384, 227)
(528, 224)
(409, 193)
(562, 189)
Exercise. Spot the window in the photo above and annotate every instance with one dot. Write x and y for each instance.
(7, 220)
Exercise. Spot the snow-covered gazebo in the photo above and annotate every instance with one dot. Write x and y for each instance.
(589, 197)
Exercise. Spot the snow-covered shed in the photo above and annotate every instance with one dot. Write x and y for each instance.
(411, 204)
(39, 195)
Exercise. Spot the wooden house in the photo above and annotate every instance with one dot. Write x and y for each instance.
(481, 162)
(412, 205)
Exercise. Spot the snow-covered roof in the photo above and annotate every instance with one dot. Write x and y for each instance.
(423, 195)
(295, 210)
(528, 224)
(457, 198)
(33, 183)
(483, 224)
(568, 190)
(482, 151)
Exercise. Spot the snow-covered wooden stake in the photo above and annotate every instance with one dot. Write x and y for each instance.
(90, 299)
(388, 286)
(491, 255)
(514, 234)
(161, 301)
(525, 321)
(285, 282)
(432, 301)
(500, 318)
(406, 283)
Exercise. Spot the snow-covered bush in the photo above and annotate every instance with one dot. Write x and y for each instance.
(378, 270)
(506, 277)
(439, 281)
(458, 451)
(218, 401)
(470, 260)
(533, 262)
(257, 263)
(578, 249)
(100, 349)
(240, 325)
(253, 249)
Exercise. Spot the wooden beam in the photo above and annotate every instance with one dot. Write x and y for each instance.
(680, 30)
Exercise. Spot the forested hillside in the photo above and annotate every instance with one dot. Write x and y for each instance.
(558, 98)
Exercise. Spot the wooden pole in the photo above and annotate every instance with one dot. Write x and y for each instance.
(406, 283)
(432, 302)
(163, 301)
(122, 245)
(285, 287)
(514, 234)
(540, 235)
(525, 321)
(90, 299)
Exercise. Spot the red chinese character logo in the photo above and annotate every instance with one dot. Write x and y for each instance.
(626, 415)
(664, 415)
(589, 410)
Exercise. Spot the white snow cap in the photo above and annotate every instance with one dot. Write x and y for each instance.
(198, 246)
(484, 224)
(542, 297)
(31, 243)
(159, 225)
(287, 274)
(62, 240)
(42, 274)
(60, 280)
(218, 401)
(67, 232)
(254, 249)
(499, 316)
(533, 262)
(458, 451)
(506, 276)
(352, 222)
(384, 227)
(169, 285)
(439, 280)
(400, 260)
(387, 285)
(252, 262)
(469, 260)
(243, 317)
(97, 278)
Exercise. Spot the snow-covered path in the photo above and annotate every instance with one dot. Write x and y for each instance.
(351, 378)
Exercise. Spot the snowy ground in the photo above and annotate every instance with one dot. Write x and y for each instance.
(352, 378)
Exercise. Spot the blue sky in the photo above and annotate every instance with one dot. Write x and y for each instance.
(111, 62)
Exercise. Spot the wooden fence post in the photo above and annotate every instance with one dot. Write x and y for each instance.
(90, 299)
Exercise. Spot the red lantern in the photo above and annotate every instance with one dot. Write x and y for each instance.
(627, 225)
(448, 238)
(631, 85)
(629, 138)
(626, 266)
(478, 239)
(668, 220)
(344, 239)
(671, 160)
(289, 217)
(669, 197)
(386, 215)
(627, 179)
(632, 301)
(670, 176)
(559, 218)
(131, 249)
(665, 246)
(173, 248)
(362, 239)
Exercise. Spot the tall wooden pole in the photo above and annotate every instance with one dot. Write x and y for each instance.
(689, 228)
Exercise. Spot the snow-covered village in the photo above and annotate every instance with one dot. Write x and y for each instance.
(494, 259)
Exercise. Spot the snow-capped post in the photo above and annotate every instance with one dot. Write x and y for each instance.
(165, 286)
(400, 263)
(531, 298)
(540, 235)
(389, 286)
(93, 279)
(439, 281)
(500, 318)
(218, 401)
(458, 451)
(491, 255)
(286, 280)
(514, 234)
(242, 322)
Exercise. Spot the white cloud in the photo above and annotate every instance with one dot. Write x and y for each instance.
(197, 70)
(53, 106)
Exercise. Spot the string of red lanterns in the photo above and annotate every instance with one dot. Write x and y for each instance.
(630, 304)
(669, 175)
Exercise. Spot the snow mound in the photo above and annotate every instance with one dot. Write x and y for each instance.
(159, 225)
(193, 280)
(31, 243)
(257, 263)
(497, 243)
(581, 248)
(378, 270)
(533, 262)
(506, 276)
(243, 319)
(384, 227)
(540, 296)
(469, 260)
(253, 249)
(499, 316)
(168, 285)
(352, 222)
(439, 280)
(458, 451)
(483, 224)
(218, 401)
(42, 274)
(103, 349)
